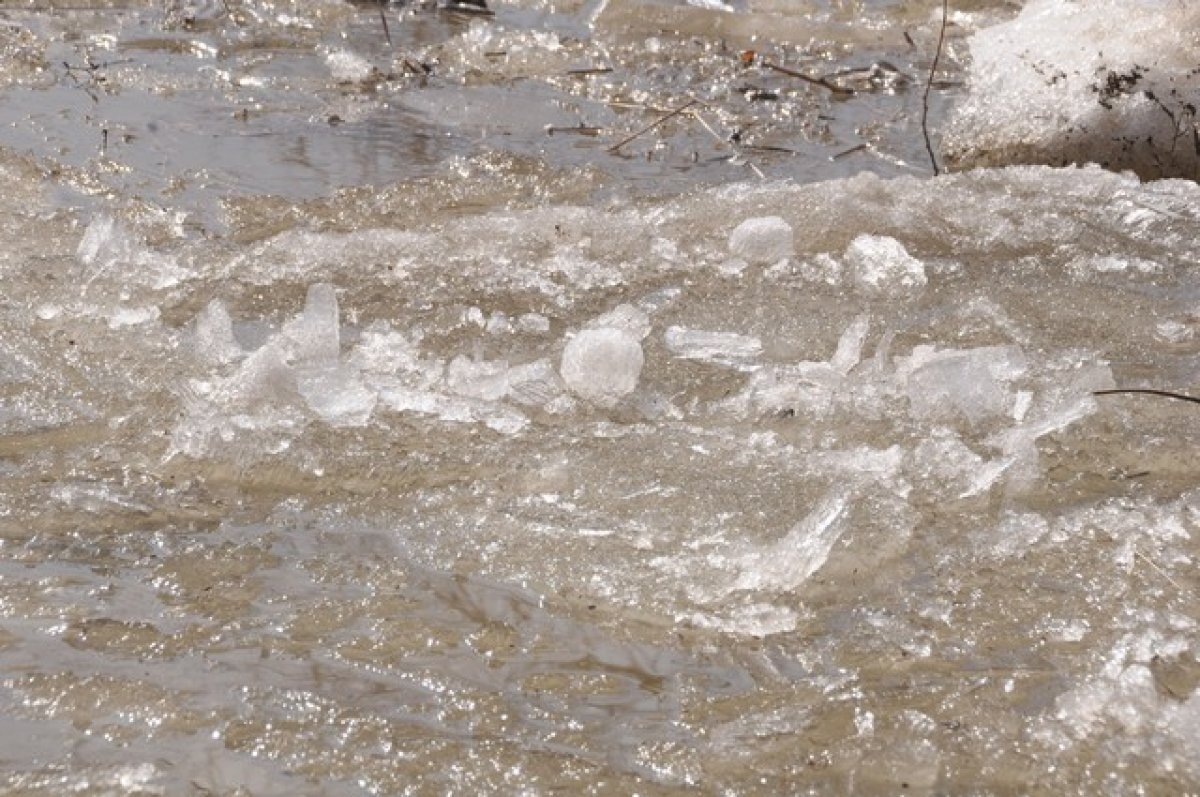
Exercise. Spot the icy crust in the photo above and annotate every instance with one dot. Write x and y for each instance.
(1100, 81)
(766, 442)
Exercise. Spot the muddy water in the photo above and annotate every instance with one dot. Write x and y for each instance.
(309, 489)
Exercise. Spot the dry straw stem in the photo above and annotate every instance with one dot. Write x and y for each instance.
(1158, 570)
(667, 117)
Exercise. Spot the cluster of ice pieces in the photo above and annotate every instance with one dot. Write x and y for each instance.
(876, 266)
(300, 374)
(108, 248)
(1106, 81)
(299, 366)
(963, 422)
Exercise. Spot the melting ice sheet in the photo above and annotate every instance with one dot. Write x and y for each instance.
(768, 486)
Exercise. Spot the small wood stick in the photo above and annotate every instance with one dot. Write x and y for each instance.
(1146, 391)
(653, 125)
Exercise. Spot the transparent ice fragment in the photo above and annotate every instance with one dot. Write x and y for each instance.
(727, 348)
(107, 246)
(754, 619)
(487, 380)
(534, 384)
(383, 350)
(132, 316)
(315, 335)
(498, 417)
(337, 395)
(788, 563)
(212, 339)
(971, 383)
(1059, 407)
(808, 387)
(850, 344)
(296, 369)
(533, 322)
(104, 241)
(625, 317)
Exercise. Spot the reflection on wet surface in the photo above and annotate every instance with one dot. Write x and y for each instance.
(191, 104)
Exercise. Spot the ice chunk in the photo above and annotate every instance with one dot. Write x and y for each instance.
(1060, 408)
(1126, 692)
(881, 265)
(808, 387)
(1173, 331)
(849, 348)
(298, 367)
(383, 350)
(103, 242)
(602, 365)
(727, 348)
(755, 620)
(107, 244)
(972, 383)
(337, 395)
(1107, 81)
(212, 336)
(764, 240)
(348, 67)
(624, 317)
(534, 383)
(533, 322)
(945, 463)
(132, 316)
(315, 334)
(487, 380)
(497, 417)
(789, 563)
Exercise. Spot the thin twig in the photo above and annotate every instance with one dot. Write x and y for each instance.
(937, 55)
(387, 34)
(635, 106)
(1148, 392)
(816, 81)
(653, 125)
(845, 152)
(717, 137)
(582, 130)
